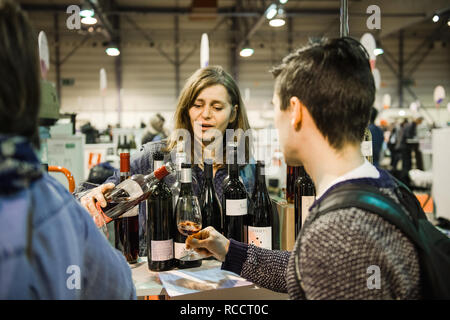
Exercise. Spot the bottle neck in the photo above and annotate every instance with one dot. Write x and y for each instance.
(186, 182)
(157, 164)
(260, 174)
(124, 166)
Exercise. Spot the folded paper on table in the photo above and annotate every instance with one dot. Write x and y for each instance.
(180, 282)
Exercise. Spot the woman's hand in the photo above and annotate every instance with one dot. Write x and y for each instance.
(96, 195)
(208, 242)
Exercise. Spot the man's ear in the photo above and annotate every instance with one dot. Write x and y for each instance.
(296, 108)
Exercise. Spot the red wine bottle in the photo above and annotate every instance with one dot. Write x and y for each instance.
(186, 227)
(305, 195)
(160, 224)
(261, 212)
(126, 229)
(234, 204)
(209, 202)
(131, 192)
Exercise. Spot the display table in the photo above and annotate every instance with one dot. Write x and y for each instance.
(148, 283)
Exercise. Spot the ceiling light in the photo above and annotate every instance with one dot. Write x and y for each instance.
(112, 50)
(278, 20)
(283, 1)
(378, 51)
(435, 18)
(86, 11)
(89, 20)
(246, 52)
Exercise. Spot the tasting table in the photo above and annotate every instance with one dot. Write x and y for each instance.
(147, 284)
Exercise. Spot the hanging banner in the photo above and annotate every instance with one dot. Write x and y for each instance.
(438, 95)
(386, 101)
(103, 82)
(44, 56)
(369, 43)
(204, 51)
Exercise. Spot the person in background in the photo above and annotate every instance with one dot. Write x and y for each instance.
(209, 100)
(50, 247)
(322, 100)
(408, 148)
(156, 130)
(377, 137)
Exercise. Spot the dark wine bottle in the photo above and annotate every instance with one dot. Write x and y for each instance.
(209, 202)
(186, 227)
(234, 204)
(305, 195)
(126, 229)
(291, 178)
(261, 212)
(131, 192)
(160, 224)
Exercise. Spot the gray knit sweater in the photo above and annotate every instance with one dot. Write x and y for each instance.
(335, 256)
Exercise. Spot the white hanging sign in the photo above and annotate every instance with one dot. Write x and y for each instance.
(369, 43)
(44, 56)
(204, 51)
(439, 95)
(103, 81)
(386, 101)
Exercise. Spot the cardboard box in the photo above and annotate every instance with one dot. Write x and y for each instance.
(284, 223)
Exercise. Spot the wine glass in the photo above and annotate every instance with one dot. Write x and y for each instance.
(189, 222)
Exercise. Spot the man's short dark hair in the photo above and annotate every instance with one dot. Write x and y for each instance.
(333, 79)
(19, 81)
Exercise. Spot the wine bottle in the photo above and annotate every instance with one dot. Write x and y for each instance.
(291, 177)
(126, 230)
(209, 202)
(305, 195)
(160, 224)
(234, 204)
(131, 192)
(186, 201)
(261, 212)
(180, 158)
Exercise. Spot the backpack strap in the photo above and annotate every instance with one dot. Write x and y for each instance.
(368, 198)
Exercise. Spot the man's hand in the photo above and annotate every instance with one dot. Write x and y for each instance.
(208, 242)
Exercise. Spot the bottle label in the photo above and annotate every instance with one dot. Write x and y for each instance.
(180, 250)
(366, 148)
(162, 250)
(132, 188)
(307, 202)
(236, 207)
(260, 237)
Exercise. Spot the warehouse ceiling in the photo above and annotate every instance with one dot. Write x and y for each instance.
(395, 14)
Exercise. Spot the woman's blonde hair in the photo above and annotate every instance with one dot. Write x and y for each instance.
(201, 79)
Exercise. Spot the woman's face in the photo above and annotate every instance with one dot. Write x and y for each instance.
(211, 113)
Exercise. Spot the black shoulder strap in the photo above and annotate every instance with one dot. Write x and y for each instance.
(370, 199)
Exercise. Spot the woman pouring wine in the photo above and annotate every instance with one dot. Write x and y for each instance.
(210, 103)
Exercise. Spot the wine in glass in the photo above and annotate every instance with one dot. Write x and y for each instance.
(188, 213)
